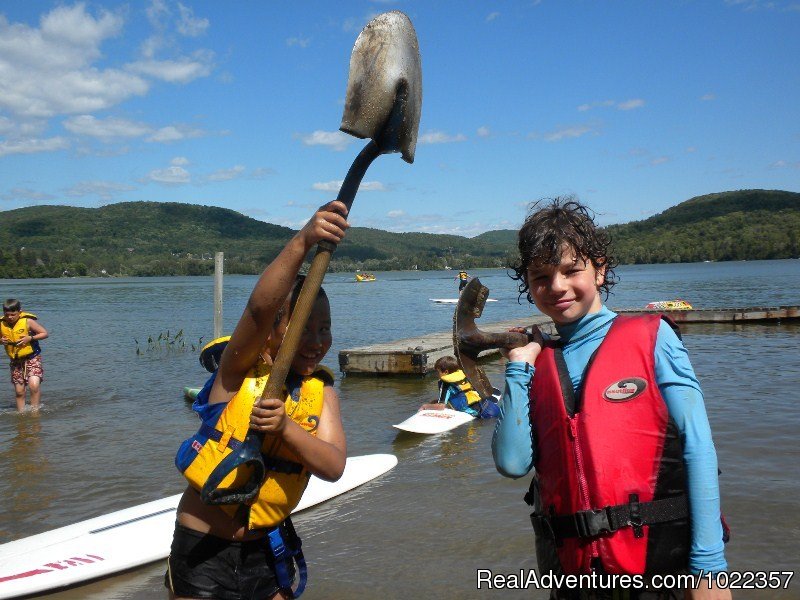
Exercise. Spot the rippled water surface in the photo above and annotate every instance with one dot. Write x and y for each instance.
(112, 420)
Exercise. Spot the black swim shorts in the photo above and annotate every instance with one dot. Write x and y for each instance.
(205, 566)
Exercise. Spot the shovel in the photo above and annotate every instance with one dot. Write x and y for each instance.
(469, 341)
(383, 103)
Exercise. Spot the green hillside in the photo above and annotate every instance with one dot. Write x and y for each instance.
(150, 238)
(742, 225)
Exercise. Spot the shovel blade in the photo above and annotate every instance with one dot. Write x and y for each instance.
(384, 88)
(470, 307)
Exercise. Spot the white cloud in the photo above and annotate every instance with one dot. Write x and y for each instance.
(483, 132)
(394, 214)
(26, 194)
(188, 24)
(22, 128)
(261, 172)
(52, 69)
(570, 132)
(784, 164)
(440, 137)
(333, 139)
(631, 104)
(591, 105)
(170, 176)
(300, 42)
(32, 145)
(49, 70)
(335, 185)
(174, 133)
(181, 70)
(105, 129)
(105, 189)
(660, 160)
(492, 16)
(226, 174)
(179, 161)
(624, 105)
(707, 97)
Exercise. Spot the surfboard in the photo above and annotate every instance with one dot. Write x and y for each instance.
(453, 300)
(190, 393)
(434, 421)
(133, 537)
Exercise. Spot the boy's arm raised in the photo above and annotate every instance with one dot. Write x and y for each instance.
(269, 295)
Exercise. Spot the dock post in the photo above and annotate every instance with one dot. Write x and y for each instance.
(218, 265)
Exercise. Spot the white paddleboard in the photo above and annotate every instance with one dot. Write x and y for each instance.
(453, 300)
(133, 537)
(434, 421)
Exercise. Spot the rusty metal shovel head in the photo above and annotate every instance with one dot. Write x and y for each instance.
(384, 89)
(470, 307)
(469, 341)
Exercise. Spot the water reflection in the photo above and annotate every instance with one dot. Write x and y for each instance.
(26, 470)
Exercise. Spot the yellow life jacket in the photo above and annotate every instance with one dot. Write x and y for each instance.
(15, 333)
(458, 379)
(286, 477)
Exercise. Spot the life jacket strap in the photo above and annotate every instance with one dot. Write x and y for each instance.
(281, 465)
(216, 435)
(286, 546)
(591, 523)
(271, 463)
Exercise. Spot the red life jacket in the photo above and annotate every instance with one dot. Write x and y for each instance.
(609, 463)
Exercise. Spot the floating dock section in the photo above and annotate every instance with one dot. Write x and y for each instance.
(728, 315)
(417, 355)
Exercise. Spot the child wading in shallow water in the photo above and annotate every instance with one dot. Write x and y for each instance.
(612, 419)
(230, 552)
(21, 333)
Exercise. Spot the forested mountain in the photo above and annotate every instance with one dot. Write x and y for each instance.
(149, 238)
(742, 225)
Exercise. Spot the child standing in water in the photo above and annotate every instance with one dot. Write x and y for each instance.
(21, 333)
(224, 552)
(611, 416)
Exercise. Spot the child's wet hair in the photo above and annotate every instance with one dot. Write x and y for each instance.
(446, 364)
(294, 295)
(12, 305)
(550, 225)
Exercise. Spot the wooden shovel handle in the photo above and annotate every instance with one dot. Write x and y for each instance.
(313, 281)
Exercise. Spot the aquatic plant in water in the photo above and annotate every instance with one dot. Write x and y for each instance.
(166, 342)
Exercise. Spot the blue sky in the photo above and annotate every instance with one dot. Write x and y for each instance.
(632, 106)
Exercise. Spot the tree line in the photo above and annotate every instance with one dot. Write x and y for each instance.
(158, 239)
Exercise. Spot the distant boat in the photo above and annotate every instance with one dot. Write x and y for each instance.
(365, 277)
(669, 305)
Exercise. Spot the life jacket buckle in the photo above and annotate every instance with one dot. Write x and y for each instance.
(590, 523)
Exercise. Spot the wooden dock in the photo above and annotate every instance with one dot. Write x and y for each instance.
(417, 355)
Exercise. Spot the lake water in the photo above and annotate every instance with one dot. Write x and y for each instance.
(112, 419)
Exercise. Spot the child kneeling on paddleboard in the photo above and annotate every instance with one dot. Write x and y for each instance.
(612, 419)
(456, 392)
(248, 550)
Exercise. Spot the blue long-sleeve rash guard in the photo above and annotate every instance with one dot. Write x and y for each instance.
(513, 447)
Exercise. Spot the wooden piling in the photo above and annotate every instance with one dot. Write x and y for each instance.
(218, 267)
